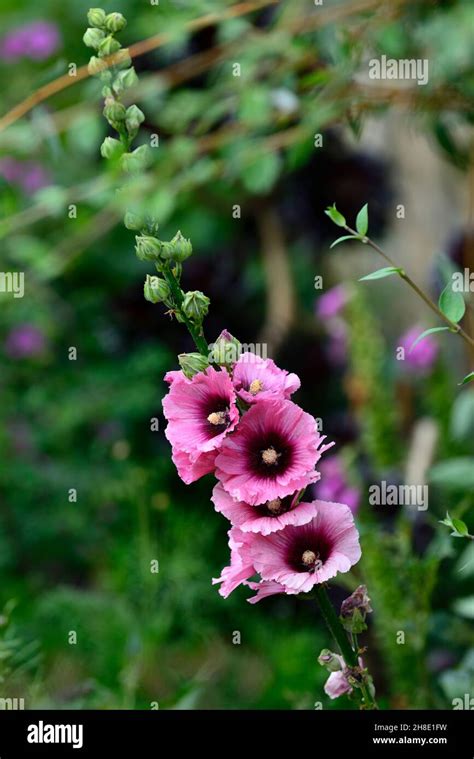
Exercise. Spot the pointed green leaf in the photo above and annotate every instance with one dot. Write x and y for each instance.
(452, 304)
(362, 220)
(467, 378)
(335, 216)
(426, 333)
(341, 239)
(460, 527)
(380, 273)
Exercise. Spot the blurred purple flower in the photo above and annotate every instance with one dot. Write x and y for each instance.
(37, 41)
(423, 355)
(25, 341)
(331, 303)
(333, 485)
(336, 348)
(30, 176)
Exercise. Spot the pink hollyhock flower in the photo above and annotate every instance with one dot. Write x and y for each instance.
(333, 485)
(423, 355)
(200, 412)
(266, 518)
(256, 378)
(272, 454)
(338, 683)
(296, 558)
(332, 302)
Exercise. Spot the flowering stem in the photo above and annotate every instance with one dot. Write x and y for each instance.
(196, 333)
(339, 634)
(430, 303)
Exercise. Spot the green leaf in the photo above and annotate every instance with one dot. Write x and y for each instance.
(467, 378)
(454, 474)
(362, 221)
(261, 173)
(335, 216)
(341, 239)
(452, 304)
(426, 333)
(381, 273)
(460, 527)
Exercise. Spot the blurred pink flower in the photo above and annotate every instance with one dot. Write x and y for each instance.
(255, 378)
(332, 302)
(333, 485)
(272, 453)
(30, 176)
(25, 341)
(423, 355)
(37, 40)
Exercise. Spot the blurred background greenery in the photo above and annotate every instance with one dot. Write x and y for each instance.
(239, 170)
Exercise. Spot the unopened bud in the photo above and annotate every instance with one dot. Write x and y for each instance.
(93, 37)
(135, 221)
(192, 363)
(195, 306)
(134, 117)
(329, 660)
(114, 111)
(111, 148)
(226, 350)
(179, 248)
(156, 290)
(147, 248)
(115, 22)
(96, 17)
(108, 46)
(96, 66)
(125, 79)
(137, 160)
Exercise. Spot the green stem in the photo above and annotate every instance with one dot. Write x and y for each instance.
(339, 634)
(431, 304)
(196, 332)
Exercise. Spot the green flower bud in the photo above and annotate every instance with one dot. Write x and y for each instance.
(226, 350)
(192, 363)
(95, 66)
(107, 92)
(177, 270)
(111, 148)
(195, 306)
(114, 112)
(179, 248)
(108, 46)
(122, 59)
(125, 79)
(134, 221)
(156, 290)
(135, 161)
(96, 17)
(134, 117)
(147, 248)
(93, 37)
(115, 22)
(329, 660)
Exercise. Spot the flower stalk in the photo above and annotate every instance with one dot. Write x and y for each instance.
(349, 654)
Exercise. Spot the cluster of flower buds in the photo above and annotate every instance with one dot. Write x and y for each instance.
(112, 64)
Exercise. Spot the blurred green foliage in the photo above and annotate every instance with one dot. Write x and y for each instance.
(85, 424)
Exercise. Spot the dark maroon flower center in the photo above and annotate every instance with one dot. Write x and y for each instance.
(216, 413)
(308, 552)
(275, 507)
(269, 454)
